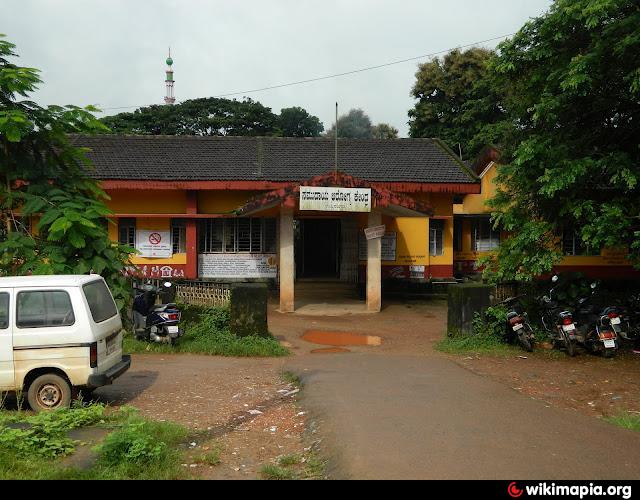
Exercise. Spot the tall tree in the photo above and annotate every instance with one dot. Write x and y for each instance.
(574, 158)
(458, 102)
(45, 180)
(356, 124)
(384, 131)
(215, 116)
(205, 116)
(297, 122)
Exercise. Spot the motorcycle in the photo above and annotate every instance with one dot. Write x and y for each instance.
(630, 322)
(156, 322)
(517, 326)
(558, 322)
(597, 328)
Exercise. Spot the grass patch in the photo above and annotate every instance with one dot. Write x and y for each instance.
(211, 457)
(207, 332)
(32, 446)
(297, 466)
(288, 460)
(482, 344)
(292, 378)
(627, 420)
(275, 472)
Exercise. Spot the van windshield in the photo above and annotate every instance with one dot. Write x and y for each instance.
(100, 301)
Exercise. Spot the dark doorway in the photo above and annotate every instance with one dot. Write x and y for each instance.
(317, 248)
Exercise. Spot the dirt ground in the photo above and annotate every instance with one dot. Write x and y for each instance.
(249, 410)
(590, 384)
(587, 383)
(244, 408)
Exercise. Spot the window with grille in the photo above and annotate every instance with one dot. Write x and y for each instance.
(436, 237)
(127, 232)
(241, 235)
(178, 235)
(484, 236)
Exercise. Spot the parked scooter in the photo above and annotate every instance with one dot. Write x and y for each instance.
(558, 322)
(597, 327)
(155, 322)
(517, 326)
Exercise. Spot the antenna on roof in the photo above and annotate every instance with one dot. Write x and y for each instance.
(336, 145)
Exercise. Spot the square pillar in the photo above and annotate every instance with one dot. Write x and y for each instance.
(374, 269)
(287, 263)
(191, 271)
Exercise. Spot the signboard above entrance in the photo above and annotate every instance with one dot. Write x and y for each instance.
(335, 199)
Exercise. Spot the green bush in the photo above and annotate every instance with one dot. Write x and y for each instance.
(45, 434)
(207, 332)
(491, 323)
(134, 444)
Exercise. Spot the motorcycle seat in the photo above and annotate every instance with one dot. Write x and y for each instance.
(164, 307)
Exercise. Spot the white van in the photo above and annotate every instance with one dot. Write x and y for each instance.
(58, 334)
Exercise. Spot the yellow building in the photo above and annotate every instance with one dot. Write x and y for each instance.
(247, 208)
(474, 236)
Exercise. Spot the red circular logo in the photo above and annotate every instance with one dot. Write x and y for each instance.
(155, 238)
(514, 491)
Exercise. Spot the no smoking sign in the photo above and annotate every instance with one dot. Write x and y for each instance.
(155, 238)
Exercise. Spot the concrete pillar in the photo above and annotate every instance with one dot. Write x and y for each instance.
(374, 269)
(287, 263)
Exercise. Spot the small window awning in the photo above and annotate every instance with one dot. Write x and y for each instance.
(383, 200)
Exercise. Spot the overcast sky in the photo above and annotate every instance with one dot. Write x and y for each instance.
(111, 52)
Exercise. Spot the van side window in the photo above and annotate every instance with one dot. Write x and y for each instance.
(43, 309)
(4, 310)
(100, 301)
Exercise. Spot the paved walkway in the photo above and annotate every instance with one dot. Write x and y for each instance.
(403, 411)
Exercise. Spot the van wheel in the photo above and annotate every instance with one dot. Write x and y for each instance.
(49, 392)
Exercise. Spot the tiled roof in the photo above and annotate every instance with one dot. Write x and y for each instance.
(153, 157)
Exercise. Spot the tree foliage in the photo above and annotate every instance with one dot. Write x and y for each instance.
(384, 131)
(356, 124)
(458, 102)
(216, 116)
(44, 179)
(297, 122)
(573, 154)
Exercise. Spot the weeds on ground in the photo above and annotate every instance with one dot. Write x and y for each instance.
(211, 457)
(486, 338)
(45, 434)
(288, 460)
(33, 445)
(207, 332)
(297, 466)
(627, 420)
(292, 378)
(275, 472)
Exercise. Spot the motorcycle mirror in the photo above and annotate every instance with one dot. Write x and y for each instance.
(167, 284)
(555, 278)
(594, 284)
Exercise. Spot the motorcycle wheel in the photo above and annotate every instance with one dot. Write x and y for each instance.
(570, 345)
(608, 353)
(524, 342)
